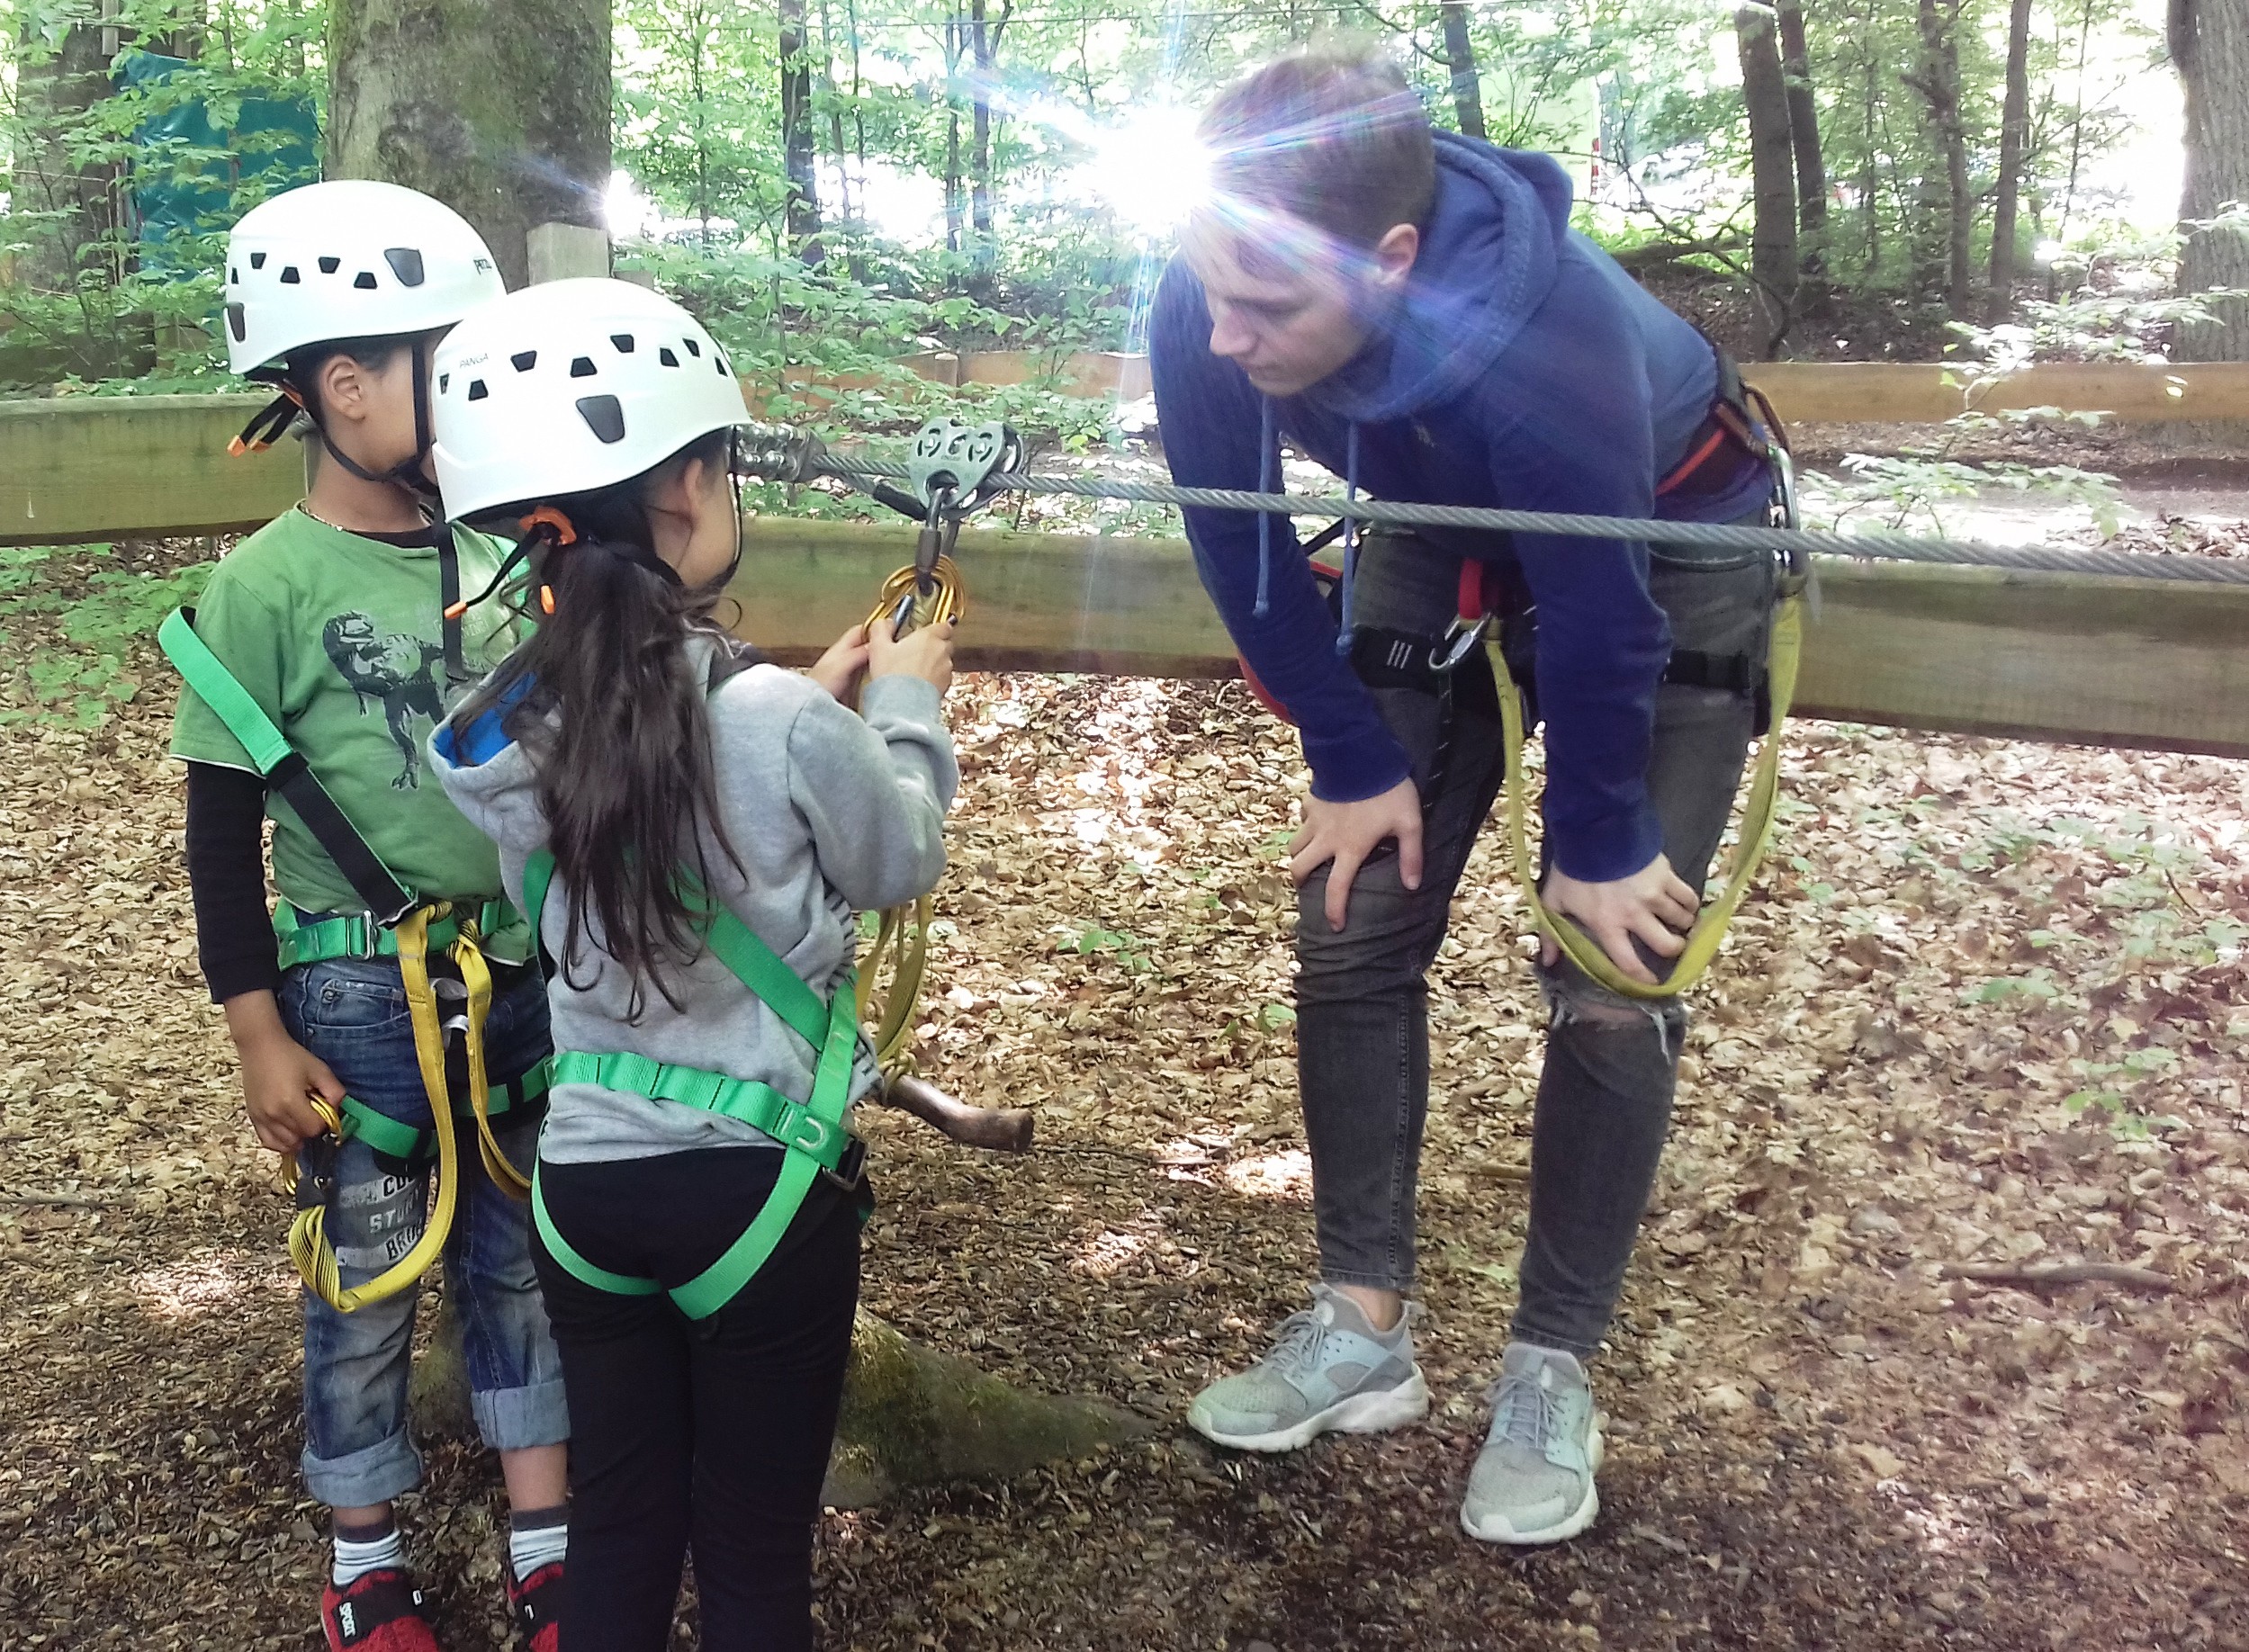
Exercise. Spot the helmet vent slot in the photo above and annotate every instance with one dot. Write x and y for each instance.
(444, 383)
(406, 263)
(329, 266)
(524, 360)
(664, 355)
(604, 415)
(582, 367)
(694, 349)
(257, 260)
(235, 323)
(477, 391)
(624, 342)
(290, 278)
(364, 281)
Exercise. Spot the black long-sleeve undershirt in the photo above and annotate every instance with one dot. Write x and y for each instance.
(226, 875)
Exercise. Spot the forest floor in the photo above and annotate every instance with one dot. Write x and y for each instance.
(1988, 1013)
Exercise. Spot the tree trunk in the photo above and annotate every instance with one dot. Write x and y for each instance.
(2209, 43)
(2013, 127)
(1949, 211)
(835, 119)
(1459, 57)
(1772, 167)
(911, 1416)
(66, 213)
(74, 202)
(956, 206)
(1870, 174)
(498, 108)
(1803, 136)
(797, 140)
(984, 40)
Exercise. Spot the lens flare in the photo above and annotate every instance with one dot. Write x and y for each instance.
(1151, 170)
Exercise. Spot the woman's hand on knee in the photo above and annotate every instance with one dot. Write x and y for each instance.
(1341, 836)
(1653, 905)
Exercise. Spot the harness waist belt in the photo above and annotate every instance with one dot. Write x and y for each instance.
(362, 935)
(759, 1105)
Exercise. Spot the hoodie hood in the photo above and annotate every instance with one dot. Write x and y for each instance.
(1488, 258)
(493, 781)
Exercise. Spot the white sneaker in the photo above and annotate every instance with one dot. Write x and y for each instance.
(1533, 1481)
(1329, 1371)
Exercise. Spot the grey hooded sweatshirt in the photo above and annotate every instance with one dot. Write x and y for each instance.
(829, 812)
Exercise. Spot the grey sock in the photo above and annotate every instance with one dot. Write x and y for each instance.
(361, 1549)
(536, 1538)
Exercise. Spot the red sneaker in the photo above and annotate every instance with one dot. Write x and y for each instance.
(376, 1611)
(537, 1604)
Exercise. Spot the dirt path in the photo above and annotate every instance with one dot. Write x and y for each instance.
(1818, 1439)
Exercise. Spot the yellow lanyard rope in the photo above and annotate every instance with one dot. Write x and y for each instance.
(902, 941)
(1756, 827)
(308, 1247)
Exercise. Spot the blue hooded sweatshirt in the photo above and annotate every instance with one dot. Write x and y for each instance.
(1523, 368)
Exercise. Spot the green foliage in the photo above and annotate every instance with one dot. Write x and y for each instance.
(97, 303)
(70, 654)
(1090, 939)
(2112, 1094)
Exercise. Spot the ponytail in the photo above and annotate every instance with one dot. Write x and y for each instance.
(615, 718)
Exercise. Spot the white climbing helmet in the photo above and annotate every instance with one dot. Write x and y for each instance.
(570, 386)
(350, 259)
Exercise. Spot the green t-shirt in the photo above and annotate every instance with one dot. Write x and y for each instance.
(339, 639)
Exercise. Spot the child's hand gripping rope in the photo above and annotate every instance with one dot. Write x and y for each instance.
(926, 652)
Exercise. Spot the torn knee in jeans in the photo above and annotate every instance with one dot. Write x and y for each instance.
(1571, 999)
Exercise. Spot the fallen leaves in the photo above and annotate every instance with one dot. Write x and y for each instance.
(1848, 1407)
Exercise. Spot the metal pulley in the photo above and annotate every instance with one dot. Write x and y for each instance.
(951, 470)
(961, 458)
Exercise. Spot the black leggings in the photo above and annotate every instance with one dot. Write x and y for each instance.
(712, 1433)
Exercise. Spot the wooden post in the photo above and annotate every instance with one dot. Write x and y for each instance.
(559, 251)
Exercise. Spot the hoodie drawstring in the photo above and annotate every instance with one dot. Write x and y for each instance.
(1268, 481)
(1344, 635)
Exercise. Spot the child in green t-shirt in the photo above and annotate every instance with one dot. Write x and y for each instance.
(343, 624)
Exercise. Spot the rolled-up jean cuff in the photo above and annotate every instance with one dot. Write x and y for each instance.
(516, 1419)
(361, 1479)
(1366, 1281)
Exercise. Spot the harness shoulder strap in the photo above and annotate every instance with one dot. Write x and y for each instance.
(731, 941)
(284, 768)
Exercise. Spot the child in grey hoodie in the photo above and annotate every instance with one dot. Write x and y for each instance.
(691, 831)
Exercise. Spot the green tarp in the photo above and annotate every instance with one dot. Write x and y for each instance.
(186, 184)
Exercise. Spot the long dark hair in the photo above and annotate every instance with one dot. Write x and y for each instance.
(614, 715)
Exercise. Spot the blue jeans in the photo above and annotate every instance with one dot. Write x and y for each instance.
(353, 1015)
(1605, 1093)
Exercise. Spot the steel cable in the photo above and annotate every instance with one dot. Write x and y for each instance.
(1713, 536)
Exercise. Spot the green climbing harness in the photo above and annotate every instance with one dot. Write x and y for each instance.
(812, 1131)
(397, 924)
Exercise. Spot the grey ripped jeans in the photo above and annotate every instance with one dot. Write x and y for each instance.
(1604, 1096)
